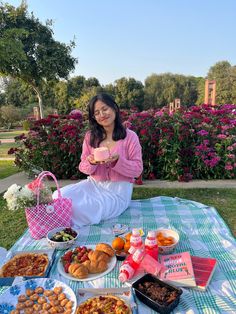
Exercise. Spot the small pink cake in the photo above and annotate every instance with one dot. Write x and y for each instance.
(101, 153)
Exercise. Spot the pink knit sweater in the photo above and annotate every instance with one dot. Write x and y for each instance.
(126, 168)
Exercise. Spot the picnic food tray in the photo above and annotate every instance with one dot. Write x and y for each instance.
(7, 281)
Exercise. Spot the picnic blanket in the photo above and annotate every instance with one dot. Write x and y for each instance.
(202, 232)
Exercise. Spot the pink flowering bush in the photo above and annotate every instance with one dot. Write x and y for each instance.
(197, 143)
(194, 143)
(54, 144)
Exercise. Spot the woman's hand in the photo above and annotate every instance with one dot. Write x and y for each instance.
(111, 159)
(90, 158)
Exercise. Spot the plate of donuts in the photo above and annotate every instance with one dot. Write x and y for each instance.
(36, 295)
(87, 263)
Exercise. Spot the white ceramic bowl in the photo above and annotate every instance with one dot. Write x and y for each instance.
(60, 245)
(168, 233)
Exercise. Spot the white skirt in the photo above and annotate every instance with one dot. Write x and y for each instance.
(93, 201)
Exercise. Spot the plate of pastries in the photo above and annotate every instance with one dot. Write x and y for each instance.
(84, 263)
(39, 295)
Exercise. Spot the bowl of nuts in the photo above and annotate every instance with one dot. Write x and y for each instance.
(62, 238)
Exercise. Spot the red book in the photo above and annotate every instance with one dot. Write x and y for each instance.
(177, 269)
(203, 268)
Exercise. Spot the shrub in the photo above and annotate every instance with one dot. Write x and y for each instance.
(26, 125)
(53, 144)
(198, 142)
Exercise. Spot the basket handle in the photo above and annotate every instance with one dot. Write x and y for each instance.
(40, 178)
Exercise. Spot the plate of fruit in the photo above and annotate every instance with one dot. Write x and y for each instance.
(84, 263)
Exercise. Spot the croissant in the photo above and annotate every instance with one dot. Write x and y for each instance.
(106, 248)
(95, 266)
(78, 270)
(96, 256)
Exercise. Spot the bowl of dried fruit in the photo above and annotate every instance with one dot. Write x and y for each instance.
(167, 240)
(62, 238)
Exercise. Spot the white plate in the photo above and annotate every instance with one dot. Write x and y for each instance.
(8, 299)
(111, 265)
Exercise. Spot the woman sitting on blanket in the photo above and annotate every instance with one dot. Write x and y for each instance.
(107, 191)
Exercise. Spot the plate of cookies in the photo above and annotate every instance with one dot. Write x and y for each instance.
(85, 263)
(38, 295)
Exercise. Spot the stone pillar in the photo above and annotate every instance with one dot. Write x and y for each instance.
(36, 113)
(171, 107)
(177, 103)
(210, 92)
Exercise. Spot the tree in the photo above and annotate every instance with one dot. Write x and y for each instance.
(222, 73)
(76, 85)
(2, 99)
(162, 89)
(82, 102)
(61, 97)
(28, 50)
(129, 93)
(19, 94)
(9, 115)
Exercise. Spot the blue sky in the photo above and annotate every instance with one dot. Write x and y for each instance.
(135, 38)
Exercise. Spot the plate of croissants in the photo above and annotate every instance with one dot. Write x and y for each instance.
(88, 262)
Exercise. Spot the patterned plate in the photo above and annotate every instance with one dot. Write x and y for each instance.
(9, 298)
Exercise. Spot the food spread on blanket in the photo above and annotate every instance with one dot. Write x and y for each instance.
(40, 300)
(79, 263)
(82, 261)
(104, 304)
(26, 264)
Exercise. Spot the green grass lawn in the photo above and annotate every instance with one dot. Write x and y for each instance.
(4, 148)
(7, 168)
(11, 134)
(12, 224)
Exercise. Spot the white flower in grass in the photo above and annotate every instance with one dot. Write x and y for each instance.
(26, 193)
(18, 197)
(12, 191)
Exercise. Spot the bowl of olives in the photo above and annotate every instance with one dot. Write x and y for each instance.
(62, 238)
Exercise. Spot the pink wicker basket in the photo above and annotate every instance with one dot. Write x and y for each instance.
(44, 217)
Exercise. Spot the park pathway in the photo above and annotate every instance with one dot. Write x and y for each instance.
(21, 178)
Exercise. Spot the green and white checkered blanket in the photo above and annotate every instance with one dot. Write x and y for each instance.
(202, 232)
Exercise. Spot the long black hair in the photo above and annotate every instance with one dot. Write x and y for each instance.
(98, 133)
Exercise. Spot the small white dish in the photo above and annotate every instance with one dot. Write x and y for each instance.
(60, 245)
(167, 249)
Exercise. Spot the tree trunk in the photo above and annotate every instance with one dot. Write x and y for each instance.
(40, 100)
(40, 105)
